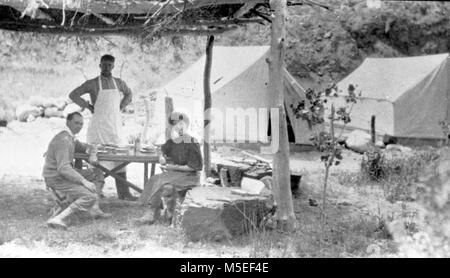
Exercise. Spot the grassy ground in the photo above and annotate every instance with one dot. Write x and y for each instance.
(360, 214)
(24, 206)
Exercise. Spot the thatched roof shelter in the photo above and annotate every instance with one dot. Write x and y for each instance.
(134, 17)
(131, 17)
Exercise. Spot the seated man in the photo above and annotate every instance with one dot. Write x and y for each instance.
(180, 174)
(81, 186)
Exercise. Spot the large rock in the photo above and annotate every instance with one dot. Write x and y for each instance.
(70, 108)
(49, 102)
(215, 213)
(37, 101)
(26, 111)
(59, 103)
(358, 141)
(394, 151)
(51, 112)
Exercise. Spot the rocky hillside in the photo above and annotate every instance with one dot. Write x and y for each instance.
(323, 46)
(326, 45)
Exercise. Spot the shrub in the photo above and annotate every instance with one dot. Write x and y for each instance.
(396, 172)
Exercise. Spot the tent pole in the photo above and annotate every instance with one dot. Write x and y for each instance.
(207, 106)
(372, 128)
(281, 172)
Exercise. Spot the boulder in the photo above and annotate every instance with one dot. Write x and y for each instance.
(358, 141)
(61, 103)
(398, 148)
(216, 213)
(49, 102)
(30, 118)
(53, 112)
(70, 108)
(394, 151)
(380, 144)
(23, 112)
(37, 101)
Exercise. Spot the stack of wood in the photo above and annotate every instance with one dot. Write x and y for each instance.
(231, 171)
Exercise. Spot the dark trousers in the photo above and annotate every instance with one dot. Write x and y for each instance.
(123, 191)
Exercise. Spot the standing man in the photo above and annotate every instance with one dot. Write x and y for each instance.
(80, 186)
(109, 96)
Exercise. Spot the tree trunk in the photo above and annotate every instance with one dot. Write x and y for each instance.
(281, 172)
(207, 106)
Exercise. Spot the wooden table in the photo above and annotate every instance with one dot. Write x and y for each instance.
(125, 159)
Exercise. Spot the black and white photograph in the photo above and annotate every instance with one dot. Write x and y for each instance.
(224, 129)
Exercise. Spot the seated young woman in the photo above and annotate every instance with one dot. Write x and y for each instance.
(181, 162)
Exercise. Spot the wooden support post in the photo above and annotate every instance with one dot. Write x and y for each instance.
(207, 106)
(372, 129)
(281, 172)
(169, 110)
(152, 171)
(145, 173)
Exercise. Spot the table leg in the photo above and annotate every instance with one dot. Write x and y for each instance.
(119, 178)
(113, 174)
(120, 166)
(145, 173)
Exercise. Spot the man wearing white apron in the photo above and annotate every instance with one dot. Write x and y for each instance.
(105, 126)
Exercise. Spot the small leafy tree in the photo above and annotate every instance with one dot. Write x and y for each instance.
(327, 142)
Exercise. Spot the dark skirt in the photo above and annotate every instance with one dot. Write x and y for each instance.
(177, 179)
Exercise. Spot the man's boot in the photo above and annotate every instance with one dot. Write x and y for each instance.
(97, 213)
(59, 221)
(123, 191)
(148, 218)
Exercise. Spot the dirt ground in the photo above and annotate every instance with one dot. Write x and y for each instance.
(25, 204)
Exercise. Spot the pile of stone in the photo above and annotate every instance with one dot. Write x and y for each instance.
(45, 107)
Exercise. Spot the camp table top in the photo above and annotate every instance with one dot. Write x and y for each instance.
(126, 159)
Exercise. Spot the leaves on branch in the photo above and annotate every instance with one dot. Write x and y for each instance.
(312, 110)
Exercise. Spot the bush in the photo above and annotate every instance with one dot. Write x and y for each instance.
(433, 237)
(397, 172)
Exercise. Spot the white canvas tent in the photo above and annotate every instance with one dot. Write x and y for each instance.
(408, 96)
(239, 82)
